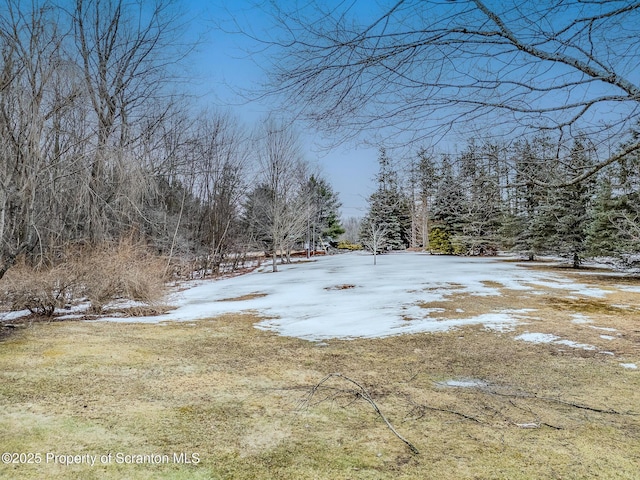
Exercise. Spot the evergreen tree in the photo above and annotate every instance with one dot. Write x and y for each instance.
(423, 182)
(324, 225)
(603, 235)
(389, 209)
(566, 216)
(449, 207)
(256, 218)
(530, 225)
(480, 221)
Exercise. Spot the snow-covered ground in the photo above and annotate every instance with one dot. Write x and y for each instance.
(346, 296)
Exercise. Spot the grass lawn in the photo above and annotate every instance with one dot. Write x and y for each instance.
(239, 402)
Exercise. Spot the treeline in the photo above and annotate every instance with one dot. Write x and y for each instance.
(99, 145)
(528, 197)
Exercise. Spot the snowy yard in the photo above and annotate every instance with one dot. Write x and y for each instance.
(346, 296)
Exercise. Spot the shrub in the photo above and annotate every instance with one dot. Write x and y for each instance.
(125, 270)
(343, 245)
(101, 274)
(39, 289)
(440, 241)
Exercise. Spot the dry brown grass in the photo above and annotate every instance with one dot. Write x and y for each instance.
(344, 286)
(236, 395)
(241, 298)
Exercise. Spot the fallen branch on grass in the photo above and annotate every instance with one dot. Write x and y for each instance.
(361, 392)
(609, 411)
(537, 425)
(446, 410)
(423, 408)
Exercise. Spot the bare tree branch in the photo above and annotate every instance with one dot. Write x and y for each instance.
(417, 71)
(361, 392)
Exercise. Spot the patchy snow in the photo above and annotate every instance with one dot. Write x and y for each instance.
(8, 316)
(67, 313)
(537, 337)
(580, 318)
(572, 344)
(465, 383)
(571, 286)
(622, 306)
(626, 288)
(550, 338)
(630, 366)
(71, 316)
(607, 337)
(304, 299)
(605, 329)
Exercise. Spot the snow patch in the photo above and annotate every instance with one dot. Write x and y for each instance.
(630, 366)
(572, 344)
(386, 301)
(550, 338)
(580, 318)
(8, 316)
(606, 329)
(71, 316)
(626, 288)
(537, 337)
(464, 383)
(622, 306)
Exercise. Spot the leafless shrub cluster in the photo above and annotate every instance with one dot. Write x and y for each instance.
(102, 274)
(40, 290)
(124, 270)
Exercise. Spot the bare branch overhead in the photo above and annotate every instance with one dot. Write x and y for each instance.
(416, 69)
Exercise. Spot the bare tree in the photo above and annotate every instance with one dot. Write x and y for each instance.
(125, 52)
(374, 237)
(83, 93)
(283, 210)
(219, 164)
(352, 229)
(33, 96)
(417, 69)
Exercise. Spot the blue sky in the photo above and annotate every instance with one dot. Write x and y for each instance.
(222, 69)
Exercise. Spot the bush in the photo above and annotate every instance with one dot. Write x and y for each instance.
(101, 274)
(343, 245)
(38, 289)
(125, 270)
(440, 241)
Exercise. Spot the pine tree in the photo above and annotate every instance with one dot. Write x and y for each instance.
(531, 225)
(423, 182)
(483, 199)
(567, 212)
(389, 210)
(256, 218)
(448, 209)
(324, 225)
(603, 235)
